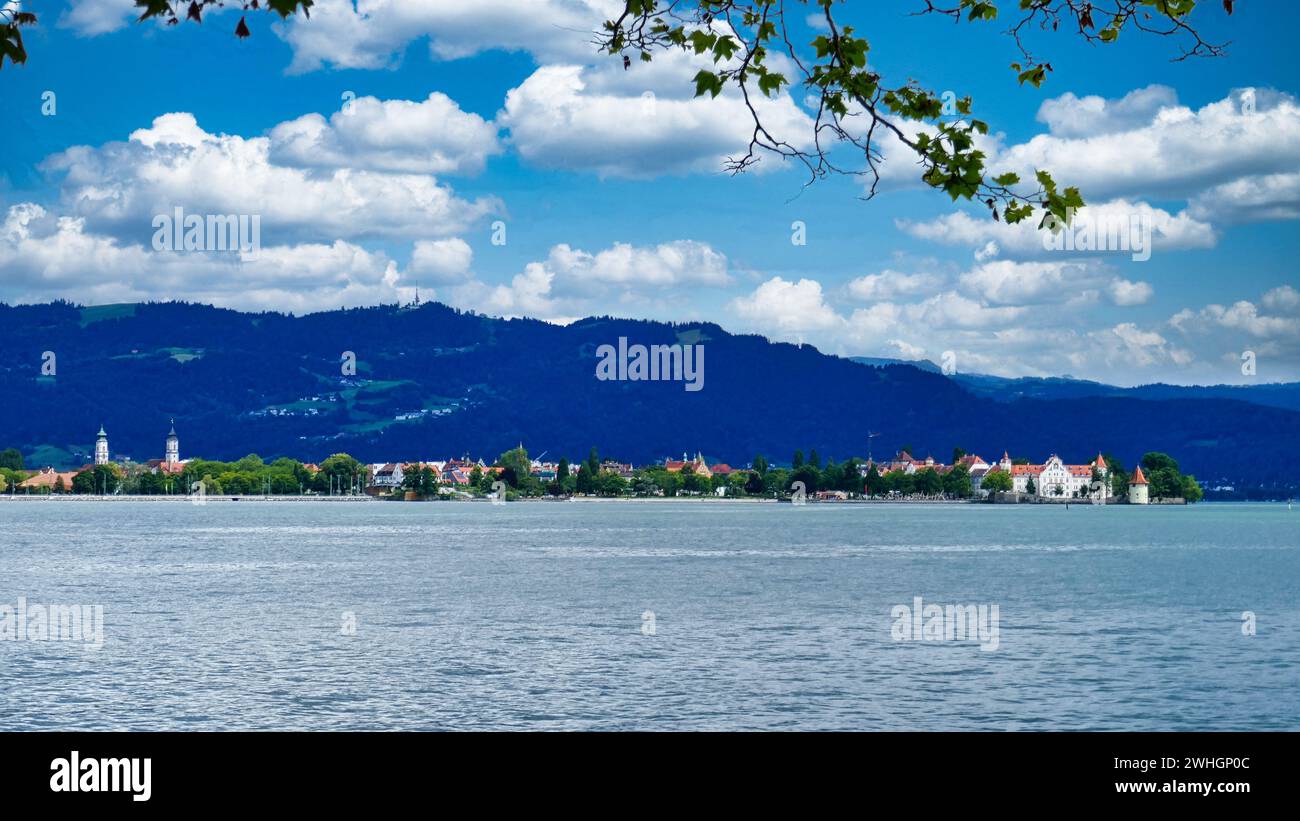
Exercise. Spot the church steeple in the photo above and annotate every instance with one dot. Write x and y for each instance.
(173, 448)
(101, 447)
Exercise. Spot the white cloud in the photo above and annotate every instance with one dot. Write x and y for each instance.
(892, 284)
(375, 33)
(527, 294)
(668, 264)
(1282, 299)
(46, 257)
(1071, 116)
(1037, 319)
(1250, 199)
(1074, 283)
(1218, 335)
(120, 187)
(1232, 161)
(1244, 317)
(1014, 283)
(429, 137)
(1125, 292)
(1176, 152)
(1169, 232)
(441, 261)
(639, 123)
(88, 18)
(1126, 347)
(627, 280)
(782, 307)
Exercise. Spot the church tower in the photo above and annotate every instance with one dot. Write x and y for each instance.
(101, 447)
(173, 456)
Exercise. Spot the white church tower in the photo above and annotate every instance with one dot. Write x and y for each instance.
(101, 447)
(173, 456)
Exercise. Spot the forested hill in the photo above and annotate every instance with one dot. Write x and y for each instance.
(432, 382)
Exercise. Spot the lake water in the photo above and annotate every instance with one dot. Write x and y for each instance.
(537, 616)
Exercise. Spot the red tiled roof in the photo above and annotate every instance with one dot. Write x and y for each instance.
(1138, 478)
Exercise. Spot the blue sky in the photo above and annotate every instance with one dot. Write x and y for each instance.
(615, 204)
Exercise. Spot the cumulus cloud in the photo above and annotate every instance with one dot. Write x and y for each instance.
(783, 307)
(1126, 292)
(527, 294)
(1139, 148)
(89, 18)
(441, 261)
(1244, 317)
(1283, 299)
(373, 34)
(624, 279)
(119, 187)
(1004, 282)
(1231, 161)
(1250, 199)
(639, 123)
(1125, 347)
(46, 257)
(1012, 283)
(1071, 116)
(892, 284)
(1219, 335)
(429, 137)
(1036, 319)
(671, 263)
(1117, 218)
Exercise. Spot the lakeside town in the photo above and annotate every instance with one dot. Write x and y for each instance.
(514, 475)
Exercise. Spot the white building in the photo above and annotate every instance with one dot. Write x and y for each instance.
(1138, 491)
(1055, 479)
(388, 475)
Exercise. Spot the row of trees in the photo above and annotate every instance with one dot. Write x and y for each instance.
(339, 474)
(1167, 481)
(513, 471)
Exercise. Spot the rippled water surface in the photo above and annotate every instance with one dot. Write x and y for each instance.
(531, 616)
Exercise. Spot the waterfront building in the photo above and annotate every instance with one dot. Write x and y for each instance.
(623, 469)
(1055, 478)
(699, 467)
(387, 475)
(1138, 490)
(49, 478)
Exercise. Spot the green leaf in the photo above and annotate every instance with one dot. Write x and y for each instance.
(707, 81)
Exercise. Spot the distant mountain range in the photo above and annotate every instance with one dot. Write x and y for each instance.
(1004, 389)
(433, 382)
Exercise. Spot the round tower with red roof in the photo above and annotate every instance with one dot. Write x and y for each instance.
(1138, 488)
